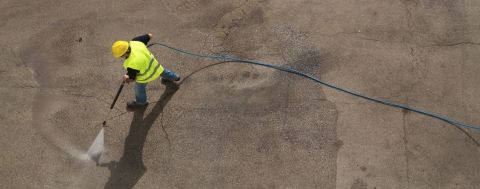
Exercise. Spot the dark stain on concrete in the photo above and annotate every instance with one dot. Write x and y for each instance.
(359, 184)
(363, 168)
(10, 58)
(300, 53)
(240, 30)
(190, 5)
(268, 143)
(290, 135)
(371, 175)
(210, 18)
(339, 144)
(255, 17)
(314, 62)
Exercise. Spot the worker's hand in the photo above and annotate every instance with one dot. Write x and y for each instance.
(127, 79)
(150, 35)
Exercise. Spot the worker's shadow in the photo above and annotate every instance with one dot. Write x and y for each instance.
(130, 168)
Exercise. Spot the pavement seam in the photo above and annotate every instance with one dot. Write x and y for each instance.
(165, 131)
(405, 142)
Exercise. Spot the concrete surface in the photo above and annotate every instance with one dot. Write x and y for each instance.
(239, 126)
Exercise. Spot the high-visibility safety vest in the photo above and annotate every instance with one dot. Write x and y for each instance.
(142, 59)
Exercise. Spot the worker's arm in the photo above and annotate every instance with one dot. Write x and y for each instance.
(143, 38)
(131, 75)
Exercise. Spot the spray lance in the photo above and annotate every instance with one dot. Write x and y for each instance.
(104, 124)
(96, 149)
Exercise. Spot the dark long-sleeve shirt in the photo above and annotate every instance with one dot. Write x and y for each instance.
(143, 38)
(132, 73)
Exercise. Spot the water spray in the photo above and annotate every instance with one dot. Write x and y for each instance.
(96, 149)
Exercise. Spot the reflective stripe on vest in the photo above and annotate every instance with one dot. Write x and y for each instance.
(151, 75)
(149, 65)
(141, 59)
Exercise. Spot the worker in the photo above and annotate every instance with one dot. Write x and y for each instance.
(141, 67)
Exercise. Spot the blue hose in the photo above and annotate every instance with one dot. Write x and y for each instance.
(231, 58)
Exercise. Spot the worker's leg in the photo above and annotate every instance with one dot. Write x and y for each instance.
(140, 96)
(168, 75)
(140, 93)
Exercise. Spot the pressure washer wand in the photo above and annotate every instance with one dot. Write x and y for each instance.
(113, 103)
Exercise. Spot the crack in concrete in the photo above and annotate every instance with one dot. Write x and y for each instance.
(462, 99)
(415, 65)
(409, 16)
(336, 34)
(405, 144)
(165, 131)
(355, 36)
(452, 44)
(287, 95)
(469, 136)
(20, 87)
(79, 95)
(378, 40)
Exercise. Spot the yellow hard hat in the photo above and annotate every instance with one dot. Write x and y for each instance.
(119, 48)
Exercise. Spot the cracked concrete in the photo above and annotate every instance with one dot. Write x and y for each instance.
(231, 125)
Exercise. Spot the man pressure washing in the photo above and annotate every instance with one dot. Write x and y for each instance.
(141, 67)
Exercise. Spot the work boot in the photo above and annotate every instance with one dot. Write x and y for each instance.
(168, 80)
(134, 104)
